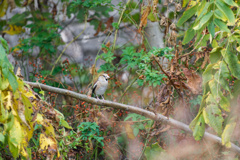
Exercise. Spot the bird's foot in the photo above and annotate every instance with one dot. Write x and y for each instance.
(103, 98)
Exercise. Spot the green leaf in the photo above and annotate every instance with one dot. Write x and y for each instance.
(215, 55)
(219, 15)
(211, 29)
(227, 133)
(190, 33)
(5, 45)
(65, 124)
(3, 83)
(135, 131)
(207, 74)
(12, 81)
(236, 88)
(203, 21)
(187, 14)
(2, 138)
(224, 103)
(19, 19)
(213, 116)
(226, 11)
(185, 2)
(232, 61)
(202, 9)
(153, 151)
(199, 129)
(231, 3)
(221, 25)
(215, 89)
(13, 149)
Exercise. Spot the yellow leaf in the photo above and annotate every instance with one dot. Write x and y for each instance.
(48, 144)
(49, 128)
(9, 101)
(227, 133)
(129, 131)
(238, 49)
(16, 134)
(3, 7)
(14, 30)
(4, 83)
(39, 119)
(23, 152)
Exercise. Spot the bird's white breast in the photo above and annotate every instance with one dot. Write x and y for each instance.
(102, 87)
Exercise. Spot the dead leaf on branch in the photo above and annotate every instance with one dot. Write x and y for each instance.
(155, 3)
(99, 28)
(163, 21)
(164, 104)
(194, 81)
(109, 26)
(206, 61)
(143, 21)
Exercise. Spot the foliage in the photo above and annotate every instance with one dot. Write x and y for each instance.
(17, 113)
(216, 17)
(71, 128)
(141, 122)
(139, 61)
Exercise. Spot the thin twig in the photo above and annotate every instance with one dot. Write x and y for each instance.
(193, 48)
(127, 88)
(160, 66)
(119, 21)
(85, 24)
(140, 111)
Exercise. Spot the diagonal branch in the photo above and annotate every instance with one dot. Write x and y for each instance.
(148, 114)
(155, 59)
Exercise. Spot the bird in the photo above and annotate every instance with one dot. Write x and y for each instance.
(100, 86)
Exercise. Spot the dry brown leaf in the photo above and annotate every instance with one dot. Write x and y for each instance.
(109, 26)
(194, 81)
(99, 28)
(173, 38)
(143, 21)
(12, 4)
(173, 26)
(165, 3)
(206, 60)
(155, 3)
(163, 21)
(93, 70)
(19, 73)
(178, 7)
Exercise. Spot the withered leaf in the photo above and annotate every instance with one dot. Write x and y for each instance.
(143, 21)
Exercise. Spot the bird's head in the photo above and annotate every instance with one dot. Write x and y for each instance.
(105, 76)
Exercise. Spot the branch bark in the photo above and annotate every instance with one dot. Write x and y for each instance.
(148, 114)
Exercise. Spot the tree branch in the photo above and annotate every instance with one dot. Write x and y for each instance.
(148, 114)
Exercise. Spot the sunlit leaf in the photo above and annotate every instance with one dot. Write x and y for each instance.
(232, 61)
(213, 116)
(227, 133)
(187, 14)
(226, 11)
(203, 21)
(199, 129)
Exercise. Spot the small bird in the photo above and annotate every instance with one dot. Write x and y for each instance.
(100, 86)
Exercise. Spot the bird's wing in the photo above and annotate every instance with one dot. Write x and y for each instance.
(94, 87)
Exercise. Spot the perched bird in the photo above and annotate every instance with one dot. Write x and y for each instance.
(100, 86)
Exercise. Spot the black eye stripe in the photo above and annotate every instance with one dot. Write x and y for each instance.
(104, 77)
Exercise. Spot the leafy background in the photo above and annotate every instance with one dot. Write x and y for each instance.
(193, 78)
